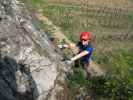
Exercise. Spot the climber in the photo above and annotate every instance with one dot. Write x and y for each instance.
(85, 50)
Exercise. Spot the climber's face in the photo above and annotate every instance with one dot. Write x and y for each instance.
(85, 42)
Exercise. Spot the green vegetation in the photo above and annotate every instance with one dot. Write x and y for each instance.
(76, 81)
(117, 84)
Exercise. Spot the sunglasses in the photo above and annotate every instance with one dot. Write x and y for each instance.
(84, 40)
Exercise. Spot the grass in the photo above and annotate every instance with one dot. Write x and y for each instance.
(116, 85)
(72, 21)
(73, 18)
(76, 82)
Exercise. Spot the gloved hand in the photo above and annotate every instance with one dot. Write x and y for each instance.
(60, 46)
(68, 62)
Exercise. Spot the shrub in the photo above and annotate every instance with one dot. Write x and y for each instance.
(117, 84)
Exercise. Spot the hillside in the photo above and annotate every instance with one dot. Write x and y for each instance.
(111, 24)
(109, 21)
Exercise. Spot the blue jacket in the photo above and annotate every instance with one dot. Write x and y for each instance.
(89, 48)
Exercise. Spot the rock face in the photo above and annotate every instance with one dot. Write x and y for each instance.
(29, 66)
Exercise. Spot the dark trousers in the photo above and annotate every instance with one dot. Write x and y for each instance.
(86, 66)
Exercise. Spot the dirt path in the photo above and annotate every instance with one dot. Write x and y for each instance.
(56, 33)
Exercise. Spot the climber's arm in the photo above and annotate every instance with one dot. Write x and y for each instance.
(71, 46)
(83, 53)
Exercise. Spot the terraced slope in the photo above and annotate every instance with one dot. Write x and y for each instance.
(110, 21)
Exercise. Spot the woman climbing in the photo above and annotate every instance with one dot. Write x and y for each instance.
(85, 50)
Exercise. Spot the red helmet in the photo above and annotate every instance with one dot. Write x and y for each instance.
(85, 36)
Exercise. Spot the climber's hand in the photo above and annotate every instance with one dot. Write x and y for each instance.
(68, 62)
(60, 46)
